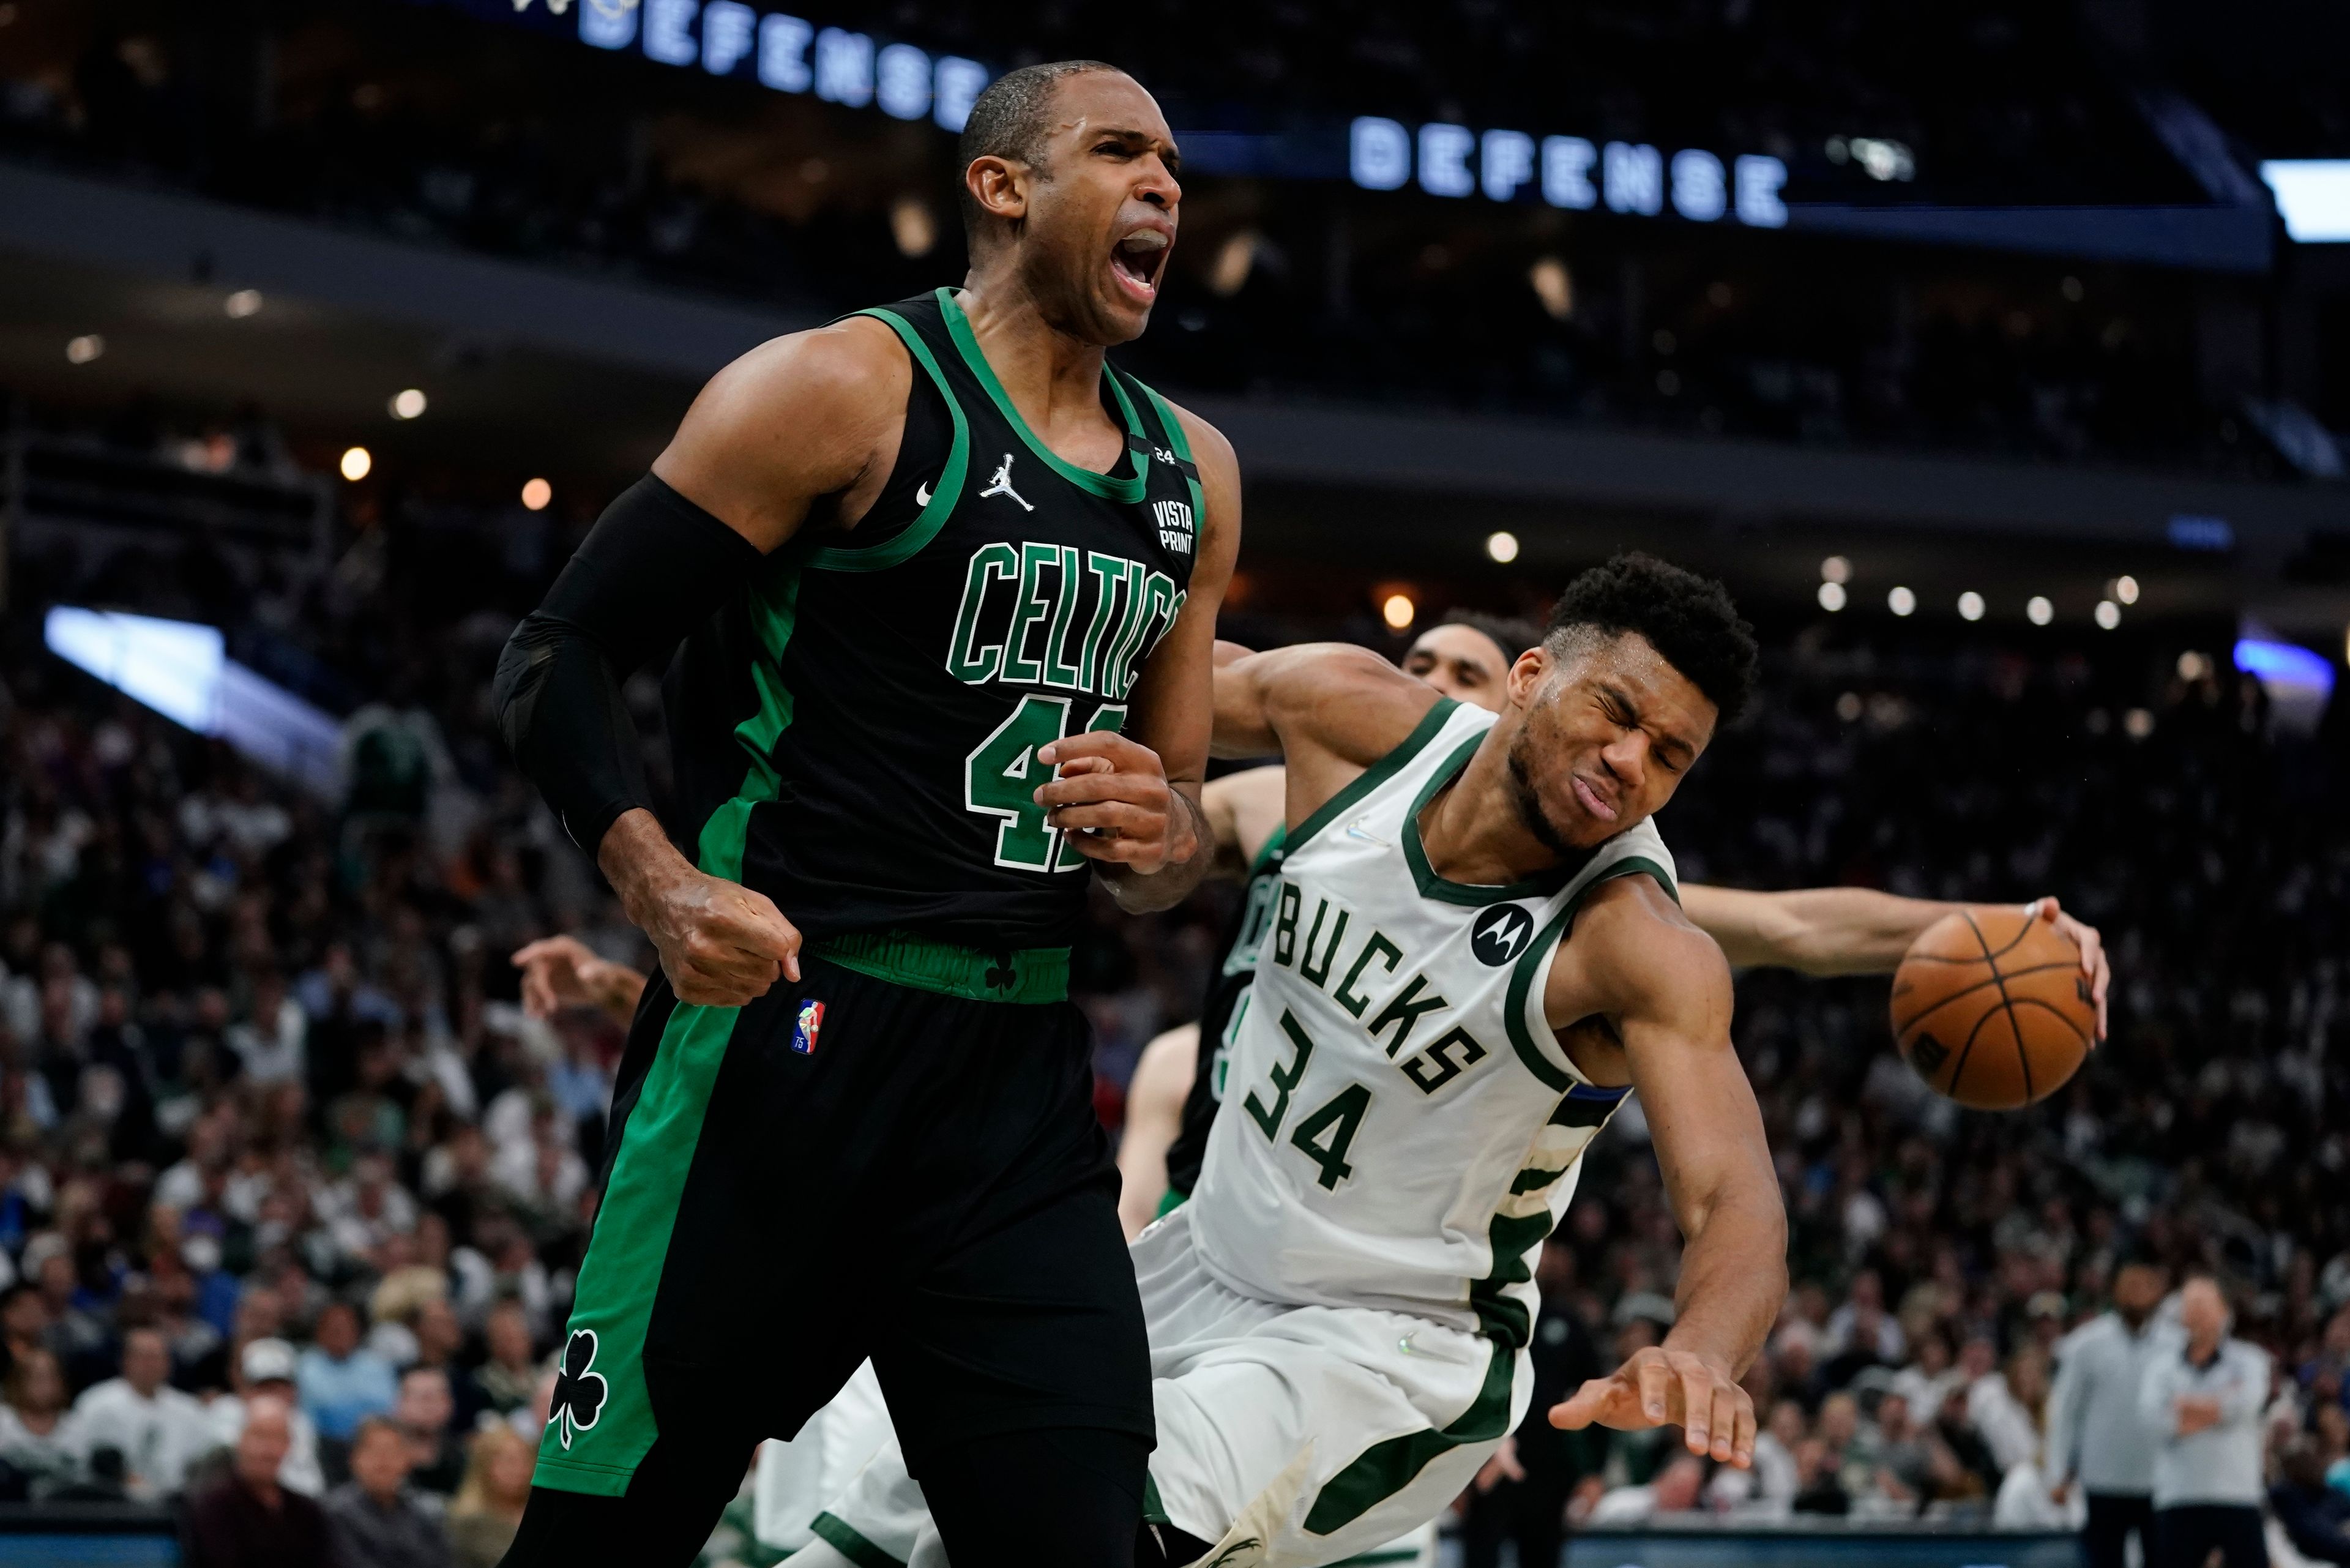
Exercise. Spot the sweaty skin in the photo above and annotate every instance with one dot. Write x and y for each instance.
(1813, 930)
(1587, 745)
(802, 432)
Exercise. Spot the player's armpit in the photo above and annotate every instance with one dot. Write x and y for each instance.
(806, 415)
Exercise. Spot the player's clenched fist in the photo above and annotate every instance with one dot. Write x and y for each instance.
(721, 944)
(1659, 1387)
(1111, 798)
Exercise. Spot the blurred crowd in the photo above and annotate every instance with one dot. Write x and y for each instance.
(379, 119)
(293, 1185)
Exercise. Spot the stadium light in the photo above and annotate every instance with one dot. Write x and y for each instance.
(2108, 614)
(1501, 546)
(81, 351)
(1554, 286)
(1970, 606)
(2125, 590)
(1901, 601)
(1832, 596)
(2284, 665)
(181, 670)
(912, 226)
(407, 404)
(1836, 569)
(2038, 610)
(244, 301)
(536, 493)
(357, 463)
(1398, 611)
(2312, 196)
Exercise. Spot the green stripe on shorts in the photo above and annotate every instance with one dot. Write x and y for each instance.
(595, 1445)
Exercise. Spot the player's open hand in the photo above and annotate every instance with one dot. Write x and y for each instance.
(1661, 1387)
(563, 972)
(1110, 797)
(2091, 946)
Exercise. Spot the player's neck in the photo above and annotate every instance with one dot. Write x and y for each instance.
(1472, 832)
(1052, 375)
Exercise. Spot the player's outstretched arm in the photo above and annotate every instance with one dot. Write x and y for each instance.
(1853, 930)
(1329, 709)
(1129, 801)
(1154, 1115)
(1665, 991)
(814, 415)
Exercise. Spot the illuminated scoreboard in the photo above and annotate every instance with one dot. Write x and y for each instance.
(734, 40)
(727, 39)
(1630, 178)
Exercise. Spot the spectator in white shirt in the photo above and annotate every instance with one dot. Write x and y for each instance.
(272, 1040)
(266, 1371)
(2202, 1402)
(2094, 1433)
(2006, 1407)
(159, 1431)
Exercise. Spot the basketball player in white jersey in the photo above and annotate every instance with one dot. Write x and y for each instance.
(1465, 656)
(1476, 955)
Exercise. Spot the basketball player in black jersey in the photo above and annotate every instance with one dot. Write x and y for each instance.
(945, 584)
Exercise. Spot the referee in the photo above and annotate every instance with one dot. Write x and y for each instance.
(2203, 1401)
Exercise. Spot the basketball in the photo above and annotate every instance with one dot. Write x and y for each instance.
(1991, 1007)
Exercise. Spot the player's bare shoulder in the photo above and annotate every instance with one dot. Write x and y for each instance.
(1631, 953)
(804, 415)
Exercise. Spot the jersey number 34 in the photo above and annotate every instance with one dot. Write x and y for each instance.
(1325, 1134)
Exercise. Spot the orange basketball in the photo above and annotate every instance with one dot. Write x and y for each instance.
(1989, 1007)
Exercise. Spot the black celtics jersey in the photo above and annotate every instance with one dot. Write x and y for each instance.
(1220, 1019)
(861, 724)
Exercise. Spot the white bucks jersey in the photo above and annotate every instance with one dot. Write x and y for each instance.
(1400, 1127)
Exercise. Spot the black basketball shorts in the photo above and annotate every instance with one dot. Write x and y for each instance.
(852, 1167)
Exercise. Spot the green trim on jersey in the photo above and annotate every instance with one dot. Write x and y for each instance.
(1443, 889)
(1129, 489)
(1522, 978)
(1273, 846)
(614, 1297)
(925, 527)
(1182, 444)
(947, 969)
(842, 1537)
(1378, 774)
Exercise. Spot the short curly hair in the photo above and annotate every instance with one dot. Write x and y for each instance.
(1688, 619)
(1512, 634)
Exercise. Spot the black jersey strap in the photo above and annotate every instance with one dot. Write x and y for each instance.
(1145, 449)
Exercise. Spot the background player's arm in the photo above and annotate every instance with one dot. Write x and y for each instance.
(1663, 988)
(1330, 710)
(1243, 811)
(1154, 1115)
(1851, 931)
(817, 414)
(1129, 801)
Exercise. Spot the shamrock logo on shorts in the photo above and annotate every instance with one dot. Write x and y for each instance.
(580, 1390)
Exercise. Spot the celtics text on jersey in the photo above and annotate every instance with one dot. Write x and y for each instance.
(856, 735)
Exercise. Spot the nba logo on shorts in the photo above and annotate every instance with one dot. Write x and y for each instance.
(803, 1033)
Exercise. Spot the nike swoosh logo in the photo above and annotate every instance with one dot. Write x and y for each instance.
(923, 493)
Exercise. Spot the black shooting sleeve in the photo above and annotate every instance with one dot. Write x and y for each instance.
(651, 569)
